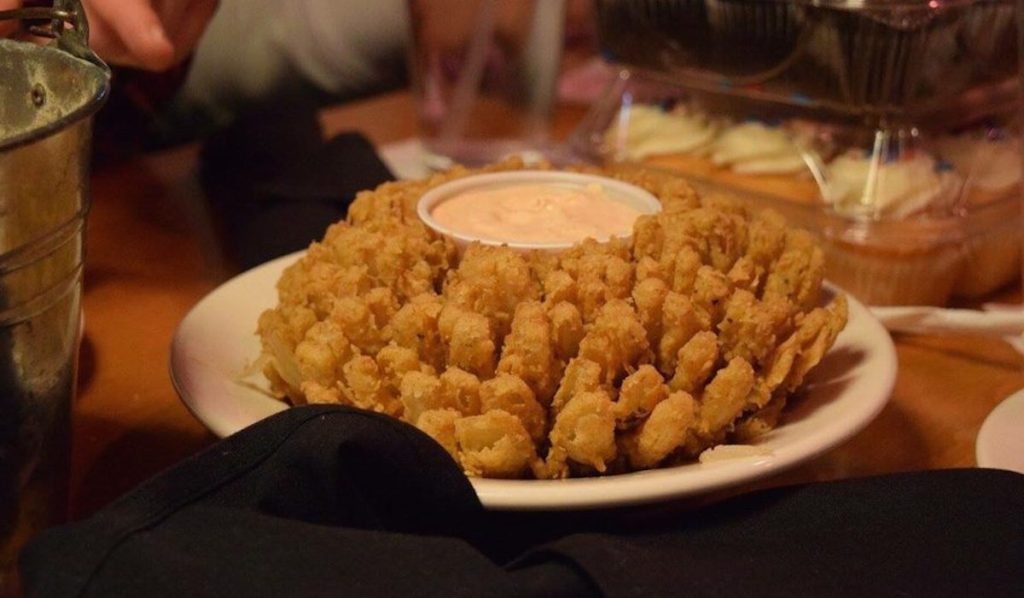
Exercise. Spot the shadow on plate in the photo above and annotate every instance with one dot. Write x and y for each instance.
(826, 383)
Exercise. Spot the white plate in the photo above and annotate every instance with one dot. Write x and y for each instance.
(1000, 442)
(216, 341)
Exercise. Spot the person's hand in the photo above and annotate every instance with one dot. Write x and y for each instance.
(149, 34)
(7, 26)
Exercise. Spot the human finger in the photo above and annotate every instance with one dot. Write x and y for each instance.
(129, 32)
(8, 26)
(185, 22)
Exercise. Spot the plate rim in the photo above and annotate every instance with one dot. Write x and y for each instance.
(604, 492)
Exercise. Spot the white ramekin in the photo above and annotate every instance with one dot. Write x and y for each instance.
(616, 190)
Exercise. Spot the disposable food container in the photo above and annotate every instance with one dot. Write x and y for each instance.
(907, 213)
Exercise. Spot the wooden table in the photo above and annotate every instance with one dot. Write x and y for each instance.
(152, 254)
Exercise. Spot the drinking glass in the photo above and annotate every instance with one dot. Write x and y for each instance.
(484, 75)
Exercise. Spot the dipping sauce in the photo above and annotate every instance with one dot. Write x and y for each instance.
(536, 213)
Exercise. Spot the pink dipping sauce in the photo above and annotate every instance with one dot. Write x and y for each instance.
(536, 213)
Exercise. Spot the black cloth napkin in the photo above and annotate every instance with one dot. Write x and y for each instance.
(332, 501)
(274, 184)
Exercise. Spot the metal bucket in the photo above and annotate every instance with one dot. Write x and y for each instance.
(48, 94)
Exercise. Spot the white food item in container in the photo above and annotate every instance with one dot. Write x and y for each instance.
(643, 130)
(860, 183)
(756, 148)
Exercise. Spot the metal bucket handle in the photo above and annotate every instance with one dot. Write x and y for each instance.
(66, 24)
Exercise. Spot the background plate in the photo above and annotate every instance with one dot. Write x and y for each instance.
(1000, 442)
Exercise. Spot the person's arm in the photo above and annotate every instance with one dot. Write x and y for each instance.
(7, 26)
(149, 34)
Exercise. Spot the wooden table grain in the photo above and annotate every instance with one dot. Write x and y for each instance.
(153, 253)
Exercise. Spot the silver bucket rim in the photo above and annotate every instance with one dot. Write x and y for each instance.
(69, 44)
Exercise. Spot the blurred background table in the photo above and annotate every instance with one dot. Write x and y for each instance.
(153, 253)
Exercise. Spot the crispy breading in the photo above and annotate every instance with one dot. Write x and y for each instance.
(566, 329)
(798, 273)
(315, 281)
(542, 263)
(439, 424)
(676, 195)
(396, 201)
(322, 353)
(599, 273)
(760, 422)
(363, 386)
(316, 394)
(383, 305)
(529, 352)
(559, 287)
(494, 444)
(355, 319)
(648, 267)
(616, 341)
(679, 322)
(718, 238)
(767, 238)
(746, 274)
(492, 281)
(571, 260)
(697, 359)
(286, 324)
(682, 267)
(722, 235)
(461, 389)
(710, 291)
(420, 392)
(751, 329)
(469, 340)
(649, 297)
(394, 361)
(280, 330)
(760, 395)
(602, 278)
(648, 237)
(510, 394)
(725, 397)
(724, 202)
(665, 431)
(641, 391)
(407, 257)
(414, 326)
(584, 432)
(798, 354)
(581, 375)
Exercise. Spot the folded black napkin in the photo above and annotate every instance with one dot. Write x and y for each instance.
(274, 184)
(331, 501)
